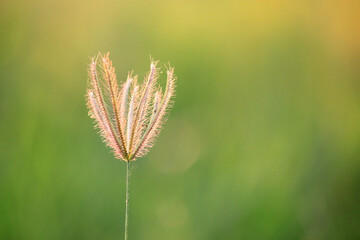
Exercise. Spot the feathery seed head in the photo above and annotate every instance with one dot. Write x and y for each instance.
(128, 117)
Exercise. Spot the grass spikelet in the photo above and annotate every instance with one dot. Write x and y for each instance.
(130, 117)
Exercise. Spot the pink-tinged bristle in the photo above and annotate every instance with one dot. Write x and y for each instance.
(143, 104)
(103, 108)
(110, 77)
(105, 130)
(124, 95)
(131, 116)
(154, 128)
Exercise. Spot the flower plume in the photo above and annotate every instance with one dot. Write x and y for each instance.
(130, 116)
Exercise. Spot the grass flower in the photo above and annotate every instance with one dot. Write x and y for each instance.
(129, 116)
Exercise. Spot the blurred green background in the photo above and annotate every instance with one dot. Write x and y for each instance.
(263, 141)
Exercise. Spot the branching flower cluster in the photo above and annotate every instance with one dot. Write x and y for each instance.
(129, 116)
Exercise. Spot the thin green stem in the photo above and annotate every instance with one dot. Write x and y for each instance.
(127, 198)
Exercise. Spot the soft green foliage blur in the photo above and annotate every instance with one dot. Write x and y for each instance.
(263, 141)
